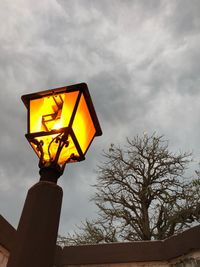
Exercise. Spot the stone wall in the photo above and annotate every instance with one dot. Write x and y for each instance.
(7, 237)
(4, 254)
(191, 259)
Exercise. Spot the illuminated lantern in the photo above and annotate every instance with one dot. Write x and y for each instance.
(62, 123)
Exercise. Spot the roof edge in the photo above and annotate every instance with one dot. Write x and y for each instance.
(138, 251)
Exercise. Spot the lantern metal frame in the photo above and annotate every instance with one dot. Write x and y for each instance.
(63, 133)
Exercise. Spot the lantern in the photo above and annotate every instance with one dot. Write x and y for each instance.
(62, 123)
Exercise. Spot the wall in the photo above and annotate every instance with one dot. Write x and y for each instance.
(4, 254)
(7, 237)
(189, 260)
(182, 250)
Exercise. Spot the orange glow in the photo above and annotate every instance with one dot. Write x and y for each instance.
(62, 123)
(51, 112)
(50, 149)
(83, 126)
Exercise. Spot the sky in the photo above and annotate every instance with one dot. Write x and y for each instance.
(141, 62)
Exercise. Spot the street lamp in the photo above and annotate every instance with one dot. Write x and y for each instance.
(62, 123)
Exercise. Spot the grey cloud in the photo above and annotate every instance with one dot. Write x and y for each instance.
(140, 60)
(184, 18)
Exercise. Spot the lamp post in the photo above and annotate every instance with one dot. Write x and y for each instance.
(62, 123)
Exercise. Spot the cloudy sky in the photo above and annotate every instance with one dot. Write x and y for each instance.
(141, 61)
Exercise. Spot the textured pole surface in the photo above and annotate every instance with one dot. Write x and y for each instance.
(38, 227)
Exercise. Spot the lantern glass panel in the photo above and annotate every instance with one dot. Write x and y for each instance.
(50, 147)
(51, 112)
(83, 125)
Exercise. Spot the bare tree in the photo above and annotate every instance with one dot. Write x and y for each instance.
(141, 194)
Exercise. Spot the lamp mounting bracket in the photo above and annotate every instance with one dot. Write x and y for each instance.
(50, 172)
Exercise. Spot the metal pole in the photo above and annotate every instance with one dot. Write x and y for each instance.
(38, 227)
